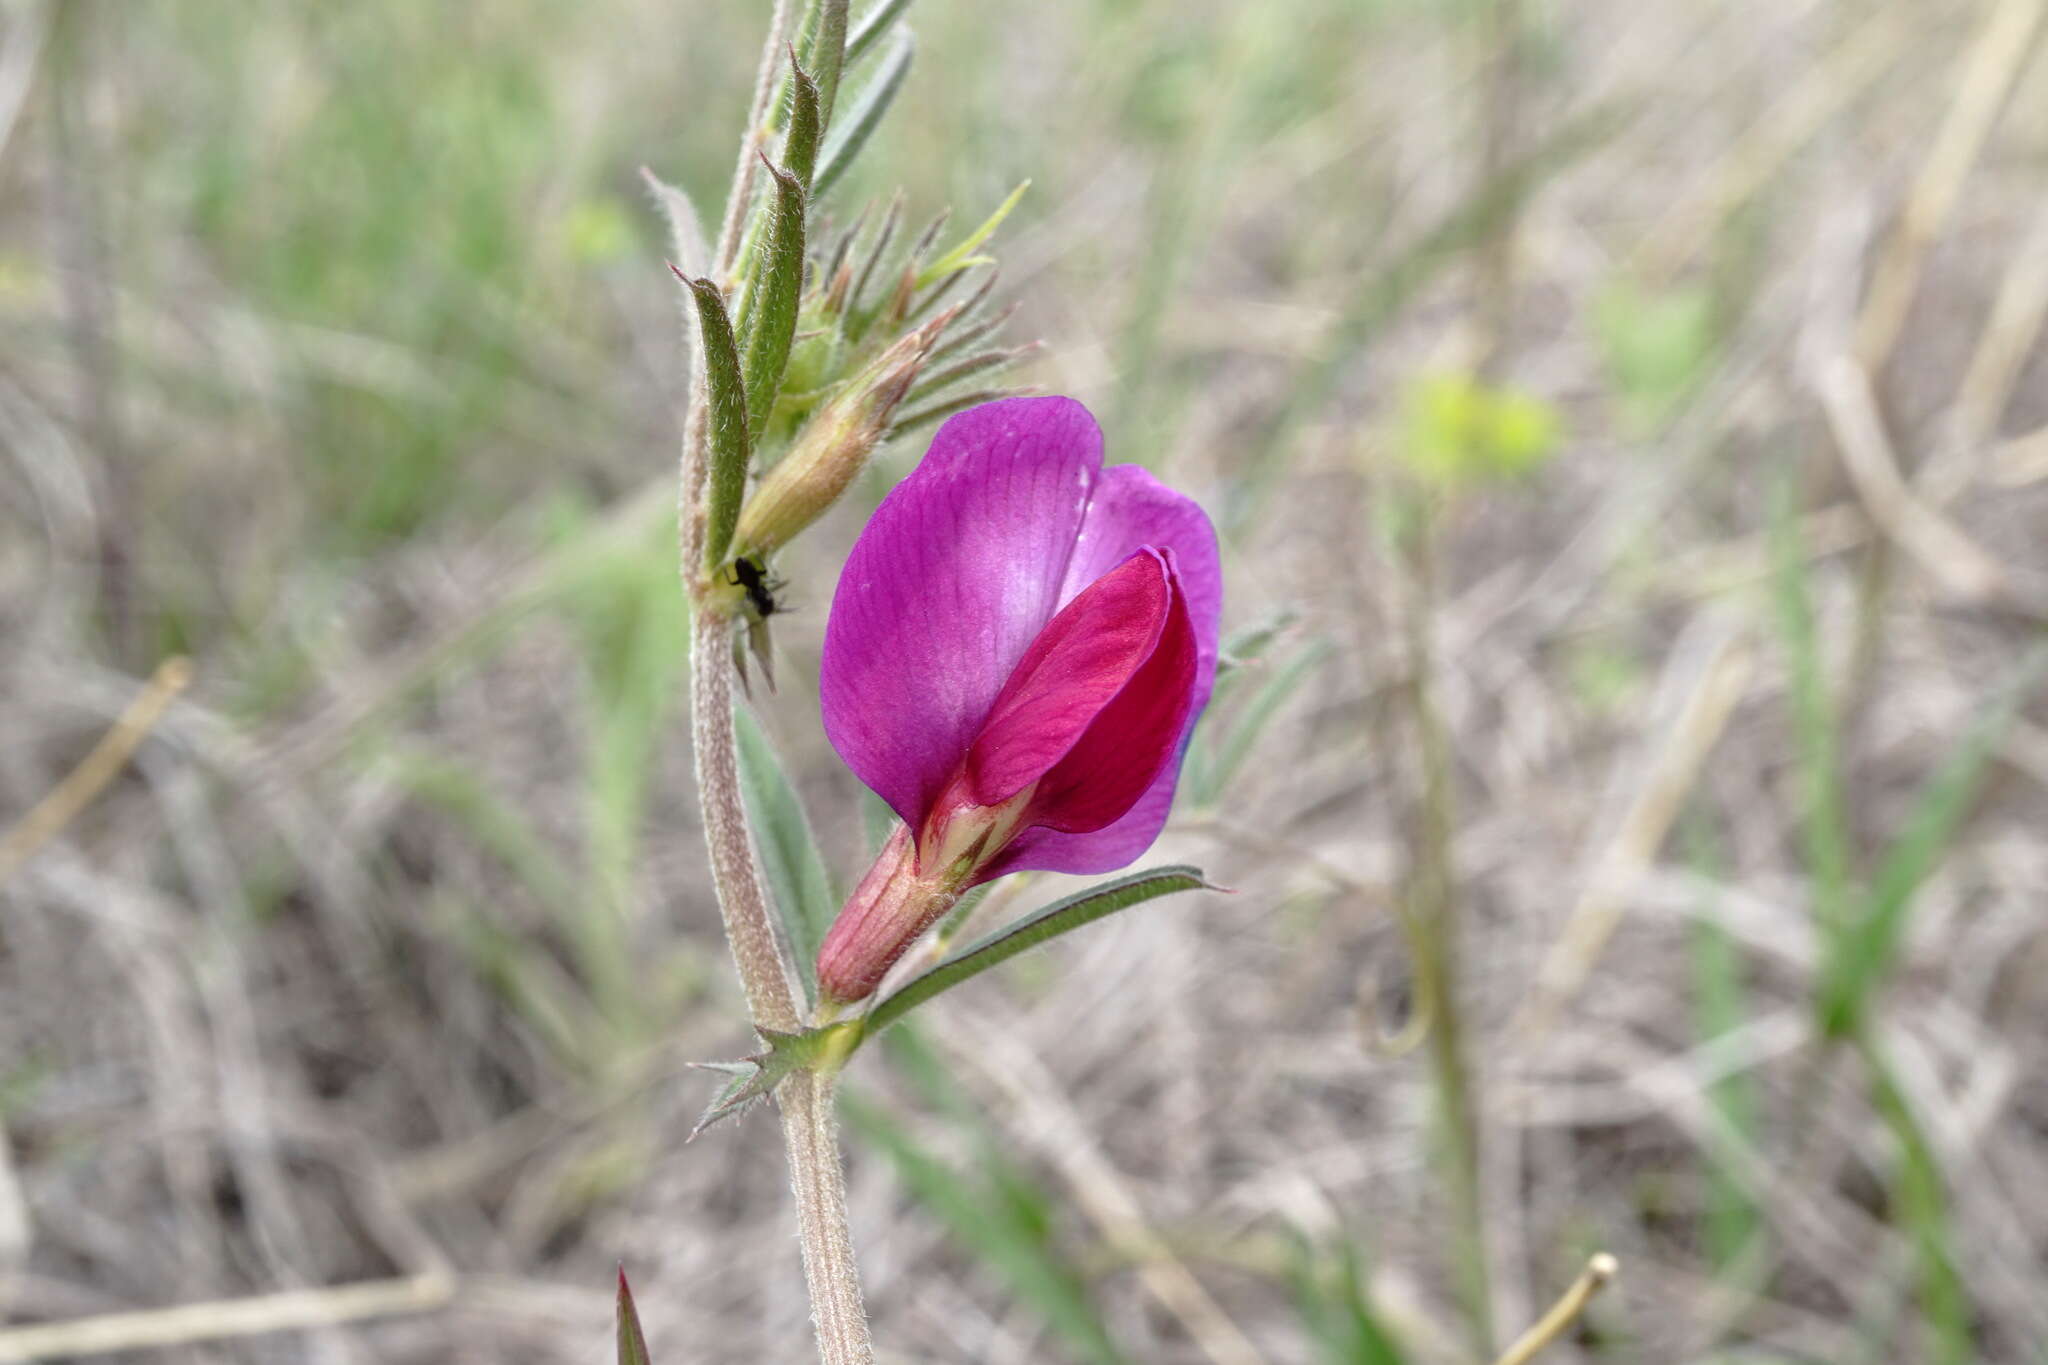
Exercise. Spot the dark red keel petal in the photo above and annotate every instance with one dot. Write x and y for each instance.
(1130, 740)
(1086, 657)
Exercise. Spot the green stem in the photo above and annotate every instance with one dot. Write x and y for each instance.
(1431, 904)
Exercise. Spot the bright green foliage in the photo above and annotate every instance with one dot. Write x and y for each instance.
(1656, 345)
(1457, 431)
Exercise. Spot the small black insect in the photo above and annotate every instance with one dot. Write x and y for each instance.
(761, 589)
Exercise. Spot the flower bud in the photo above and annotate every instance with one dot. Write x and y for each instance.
(833, 446)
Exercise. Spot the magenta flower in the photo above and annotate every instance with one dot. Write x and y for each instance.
(1020, 643)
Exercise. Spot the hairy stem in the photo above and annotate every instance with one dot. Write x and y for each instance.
(808, 1130)
(748, 926)
(812, 1136)
(805, 1098)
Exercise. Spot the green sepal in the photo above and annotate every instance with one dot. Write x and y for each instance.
(731, 439)
(768, 318)
(851, 134)
(753, 1079)
(632, 1341)
(1060, 917)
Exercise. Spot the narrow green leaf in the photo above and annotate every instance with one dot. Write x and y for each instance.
(797, 880)
(1058, 918)
(825, 53)
(731, 436)
(1231, 750)
(1330, 1294)
(800, 145)
(632, 1341)
(1824, 818)
(1720, 1005)
(962, 256)
(872, 26)
(1919, 1200)
(1000, 1223)
(850, 134)
(1861, 955)
(768, 319)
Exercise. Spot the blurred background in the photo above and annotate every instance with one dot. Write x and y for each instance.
(1626, 427)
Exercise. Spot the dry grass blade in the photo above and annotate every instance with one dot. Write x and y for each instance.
(222, 1319)
(1716, 685)
(50, 815)
(2002, 47)
(1945, 552)
(1563, 1313)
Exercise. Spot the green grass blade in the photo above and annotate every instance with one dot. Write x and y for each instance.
(1058, 918)
(798, 882)
(850, 134)
(1223, 760)
(1720, 1006)
(1920, 1206)
(873, 26)
(1330, 1295)
(1861, 956)
(994, 1209)
(1824, 819)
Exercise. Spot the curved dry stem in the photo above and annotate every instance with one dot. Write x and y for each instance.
(1548, 1328)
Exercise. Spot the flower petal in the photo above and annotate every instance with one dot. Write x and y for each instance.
(1130, 509)
(1083, 660)
(1130, 740)
(954, 576)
